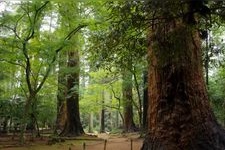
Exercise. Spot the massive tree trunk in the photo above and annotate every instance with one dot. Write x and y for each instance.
(73, 125)
(179, 114)
(129, 125)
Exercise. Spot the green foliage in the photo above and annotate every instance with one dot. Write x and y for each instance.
(216, 53)
(118, 41)
(12, 109)
(31, 52)
(92, 96)
(216, 46)
(115, 42)
(217, 94)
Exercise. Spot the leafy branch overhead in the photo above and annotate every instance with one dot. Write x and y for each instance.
(26, 41)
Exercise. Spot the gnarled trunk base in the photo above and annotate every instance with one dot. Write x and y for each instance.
(179, 115)
(202, 139)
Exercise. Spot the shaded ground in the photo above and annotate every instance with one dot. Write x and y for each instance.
(114, 142)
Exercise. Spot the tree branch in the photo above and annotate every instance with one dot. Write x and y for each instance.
(67, 38)
(11, 62)
(37, 12)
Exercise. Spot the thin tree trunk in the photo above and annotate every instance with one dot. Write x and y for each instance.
(102, 126)
(139, 108)
(145, 100)
(37, 126)
(5, 125)
(117, 119)
(91, 122)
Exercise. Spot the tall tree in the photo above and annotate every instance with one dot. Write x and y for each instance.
(120, 40)
(102, 114)
(34, 54)
(180, 116)
(69, 11)
(73, 125)
(127, 88)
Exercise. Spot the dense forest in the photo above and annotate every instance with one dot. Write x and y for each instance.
(79, 67)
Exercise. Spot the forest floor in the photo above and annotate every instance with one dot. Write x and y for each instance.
(113, 142)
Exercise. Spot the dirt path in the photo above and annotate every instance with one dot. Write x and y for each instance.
(114, 142)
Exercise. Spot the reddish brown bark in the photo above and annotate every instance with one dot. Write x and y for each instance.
(129, 125)
(61, 95)
(73, 125)
(179, 115)
(61, 116)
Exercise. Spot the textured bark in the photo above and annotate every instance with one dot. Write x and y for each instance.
(61, 95)
(102, 118)
(129, 125)
(73, 125)
(179, 114)
(61, 115)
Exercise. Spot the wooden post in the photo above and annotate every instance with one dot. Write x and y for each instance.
(84, 146)
(131, 144)
(13, 134)
(105, 144)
